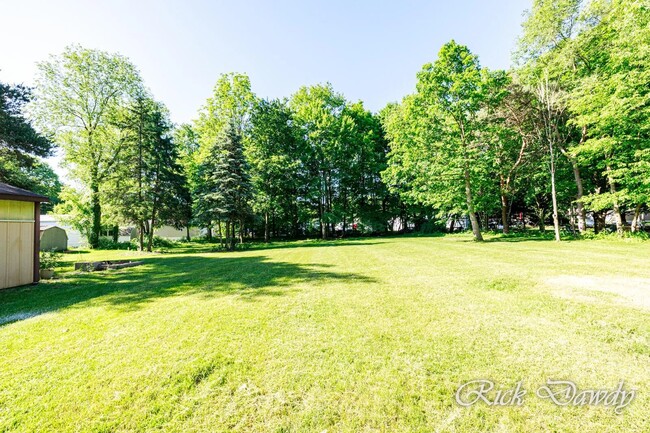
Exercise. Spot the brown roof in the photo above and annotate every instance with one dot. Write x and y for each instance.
(9, 192)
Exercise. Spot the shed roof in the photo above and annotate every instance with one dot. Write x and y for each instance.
(44, 227)
(10, 192)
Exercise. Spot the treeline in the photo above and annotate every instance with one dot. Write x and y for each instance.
(309, 165)
(560, 137)
(564, 133)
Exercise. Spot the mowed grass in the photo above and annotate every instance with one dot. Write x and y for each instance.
(352, 336)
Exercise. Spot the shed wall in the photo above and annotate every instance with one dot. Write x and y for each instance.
(54, 238)
(16, 243)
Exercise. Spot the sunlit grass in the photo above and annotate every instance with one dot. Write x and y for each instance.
(361, 335)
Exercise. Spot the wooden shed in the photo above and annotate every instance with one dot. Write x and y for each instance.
(53, 238)
(19, 236)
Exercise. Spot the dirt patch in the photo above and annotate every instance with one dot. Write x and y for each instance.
(630, 290)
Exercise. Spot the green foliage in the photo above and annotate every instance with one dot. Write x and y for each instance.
(150, 188)
(343, 153)
(275, 155)
(438, 155)
(229, 106)
(75, 210)
(19, 141)
(106, 243)
(21, 145)
(79, 94)
(50, 259)
(225, 192)
(228, 109)
(565, 132)
(612, 102)
(591, 52)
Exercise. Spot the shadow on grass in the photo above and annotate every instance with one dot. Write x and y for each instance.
(490, 237)
(128, 289)
(206, 247)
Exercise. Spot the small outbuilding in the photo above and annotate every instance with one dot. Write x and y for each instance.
(53, 238)
(20, 212)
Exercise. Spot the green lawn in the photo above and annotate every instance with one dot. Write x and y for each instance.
(359, 336)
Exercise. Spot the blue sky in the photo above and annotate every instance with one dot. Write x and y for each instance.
(368, 50)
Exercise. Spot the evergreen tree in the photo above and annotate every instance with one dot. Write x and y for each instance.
(225, 191)
(20, 145)
(149, 188)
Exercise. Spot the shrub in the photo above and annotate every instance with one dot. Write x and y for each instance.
(109, 244)
(50, 259)
(433, 226)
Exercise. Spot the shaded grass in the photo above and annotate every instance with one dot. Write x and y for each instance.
(364, 335)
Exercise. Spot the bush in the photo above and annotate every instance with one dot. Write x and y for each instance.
(109, 244)
(50, 259)
(158, 242)
(433, 226)
(607, 235)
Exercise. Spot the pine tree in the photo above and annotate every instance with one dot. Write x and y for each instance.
(225, 190)
(150, 188)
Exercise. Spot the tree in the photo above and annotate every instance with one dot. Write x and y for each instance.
(324, 125)
(553, 132)
(550, 54)
(20, 144)
(511, 131)
(612, 103)
(151, 188)
(591, 54)
(187, 144)
(364, 197)
(275, 155)
(75, 210)
(438, 156)
(41, 179)
(78, 95)
(230, 106)
(225, 189)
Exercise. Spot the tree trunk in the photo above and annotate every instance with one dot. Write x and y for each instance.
(116, 233)
(504, 205)
(323, 228)
(582, 213)
(635, 221)
(599, 221)
(153, 224)
(556, 221)
(504, 214)
(97, 215)
(470, 207)
(187, 233)
(541, 223)
(141, 236)
(620, 227)
(616, 207)
(266, 226)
